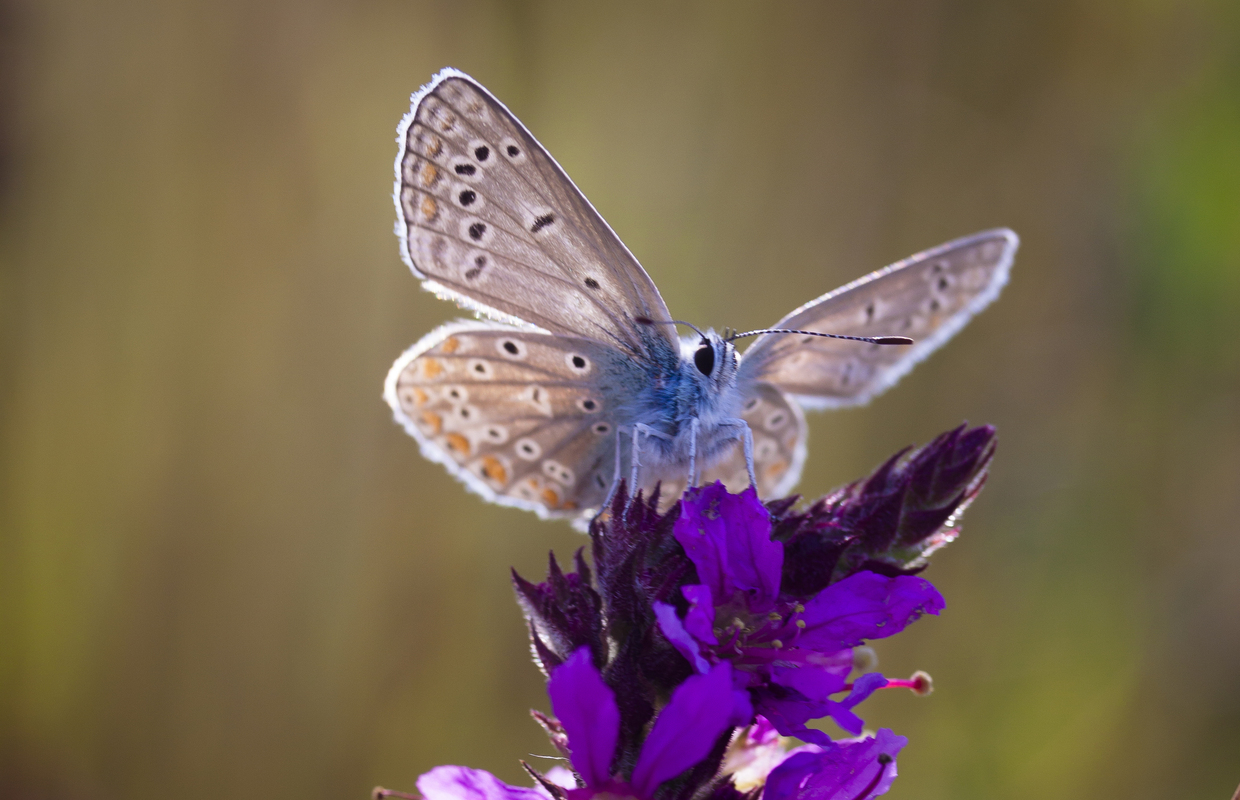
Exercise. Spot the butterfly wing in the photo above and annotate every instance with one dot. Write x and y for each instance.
(928, 297)
(488, 218)
(523, 418)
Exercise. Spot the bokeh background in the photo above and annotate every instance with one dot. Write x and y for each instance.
(224, 572)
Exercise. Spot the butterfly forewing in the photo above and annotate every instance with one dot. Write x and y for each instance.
(489, 219)
(524, 418)
(927, 297)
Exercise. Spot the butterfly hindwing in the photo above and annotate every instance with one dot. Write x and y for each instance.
(489, 219)
(778, 428)
(927, 297)
(522, 417)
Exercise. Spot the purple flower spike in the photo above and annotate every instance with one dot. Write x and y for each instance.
(587, 710)
(724, 614)
(859, 769)
(728, 538)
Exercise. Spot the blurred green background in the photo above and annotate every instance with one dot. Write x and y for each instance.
(224, 572)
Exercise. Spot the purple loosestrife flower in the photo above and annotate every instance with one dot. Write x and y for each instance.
(854, 769)
(726, 614)
(792, 652)
(689, 727)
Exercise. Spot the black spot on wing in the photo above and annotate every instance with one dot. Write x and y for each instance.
(476, 230)
(465, 169)
(593, 284)
(479, 264)
(542, 222)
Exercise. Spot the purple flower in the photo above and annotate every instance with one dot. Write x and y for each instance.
(856, 769)
(724, 612)
(700, 710)
(793, 653)
(463, 783)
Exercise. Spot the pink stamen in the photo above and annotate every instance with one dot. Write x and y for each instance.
(920, 684)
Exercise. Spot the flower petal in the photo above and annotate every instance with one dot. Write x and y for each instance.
(700, 621)
(680, 638)
(686, 729)
(728, 538)
(586, 708)
(860, 769)
(842, 710)
(865, 606)
(463, 783)
(815, 682)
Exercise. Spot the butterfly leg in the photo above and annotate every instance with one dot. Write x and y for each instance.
(693, 434)
(746, 436)
(639, 430)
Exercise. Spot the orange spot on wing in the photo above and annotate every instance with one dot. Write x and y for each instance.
(431, 368)
(493, 470)
(777, 469)
(450, 345)
(432, 420)
(458, 443)
(419, 397)
(429, 175)
(550, 498)
(429, 208)
(569, 505)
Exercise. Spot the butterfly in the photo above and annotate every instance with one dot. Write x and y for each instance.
(573, 376)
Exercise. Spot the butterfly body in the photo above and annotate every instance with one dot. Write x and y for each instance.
(574, 378)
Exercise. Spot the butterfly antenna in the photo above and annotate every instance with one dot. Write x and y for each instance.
(870, 339)
(649, 321)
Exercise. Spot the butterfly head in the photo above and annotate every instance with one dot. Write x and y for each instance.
(709, 360)
(713, 358)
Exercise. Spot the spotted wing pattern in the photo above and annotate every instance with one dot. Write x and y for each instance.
(490, 220)
(927, 297)
(523, 418)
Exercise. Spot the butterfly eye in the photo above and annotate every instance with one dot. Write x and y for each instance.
(704, 358)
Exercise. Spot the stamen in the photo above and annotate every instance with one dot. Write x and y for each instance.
(921, 684)
(883, 761)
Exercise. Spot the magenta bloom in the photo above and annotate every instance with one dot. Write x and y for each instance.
(857, 769)
(698, 713)
(691, 724)
(792, 653)
(724, 614)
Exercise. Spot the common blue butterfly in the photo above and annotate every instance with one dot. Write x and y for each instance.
(574, 377)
